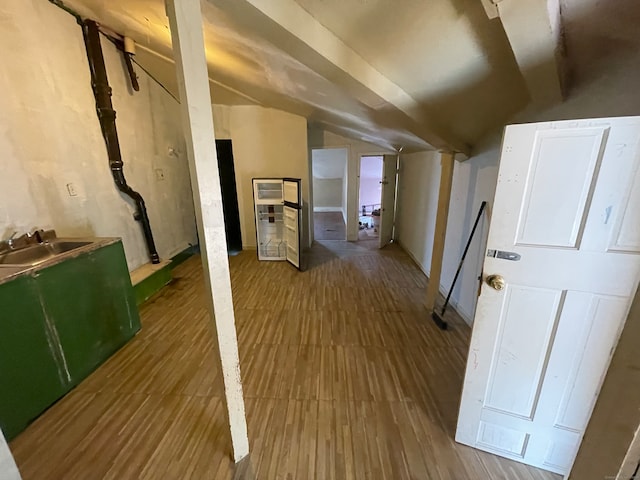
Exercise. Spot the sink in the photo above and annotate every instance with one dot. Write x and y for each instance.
(36, 254)
(65, 246)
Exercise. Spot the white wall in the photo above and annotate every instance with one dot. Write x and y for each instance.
(330, 182)
(417, 205)
(473, 182)
(609, 90)
(266, 143)
(327, 194)
(319, 138)
(50, 136)
(8, 468)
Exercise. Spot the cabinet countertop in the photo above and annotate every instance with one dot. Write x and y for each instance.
(10, 272)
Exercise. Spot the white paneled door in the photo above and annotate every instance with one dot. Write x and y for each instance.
(388, 200)
(562, 266)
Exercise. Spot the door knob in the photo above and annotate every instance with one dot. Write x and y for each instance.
(496, 282)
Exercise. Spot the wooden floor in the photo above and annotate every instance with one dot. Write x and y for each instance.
(345, 377)
(329, 226)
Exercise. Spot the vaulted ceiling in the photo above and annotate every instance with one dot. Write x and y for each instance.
(410, 73)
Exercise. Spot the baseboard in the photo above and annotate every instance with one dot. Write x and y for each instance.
(150, 279)
(327, 209)
(442, 289)
(180, 257)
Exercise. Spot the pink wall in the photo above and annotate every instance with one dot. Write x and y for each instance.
(370, 176)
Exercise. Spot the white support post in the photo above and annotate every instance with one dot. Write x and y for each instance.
(8, 468)
(444, 197)
(185, 18)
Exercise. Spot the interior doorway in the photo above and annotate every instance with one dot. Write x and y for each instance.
(370, 197)
(329, 169)
(230, 208)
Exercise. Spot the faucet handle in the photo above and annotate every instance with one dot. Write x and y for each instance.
(9, 241)
(38, 233)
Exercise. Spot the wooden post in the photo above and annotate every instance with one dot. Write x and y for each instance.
(185, 19)
(444, 196)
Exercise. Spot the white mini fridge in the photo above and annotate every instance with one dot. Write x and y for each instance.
(278, 207)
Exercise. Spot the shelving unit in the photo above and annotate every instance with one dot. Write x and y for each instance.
(268, 191)
(278, 206)
(269, 210)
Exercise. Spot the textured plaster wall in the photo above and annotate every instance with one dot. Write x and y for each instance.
(50, 137)
(266, 143)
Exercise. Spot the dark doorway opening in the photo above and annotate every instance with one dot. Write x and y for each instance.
(229, 196)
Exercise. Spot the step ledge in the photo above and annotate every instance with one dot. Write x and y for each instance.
(145, 271)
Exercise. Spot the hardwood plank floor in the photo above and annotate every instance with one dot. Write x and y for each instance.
(329, 226)
(344, 375)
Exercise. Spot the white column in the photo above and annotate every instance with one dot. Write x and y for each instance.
(185, 19)
(437, 254)
(8, 469)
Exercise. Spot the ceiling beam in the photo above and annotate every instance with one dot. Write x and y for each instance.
(534, 31)
(289, 27)
(491, 8)
(164, 67)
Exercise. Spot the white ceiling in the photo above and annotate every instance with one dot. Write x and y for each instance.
(407, 73)
(446, 54)
(601, 37)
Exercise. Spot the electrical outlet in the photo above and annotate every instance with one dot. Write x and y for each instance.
(159, 174)
(71, 188)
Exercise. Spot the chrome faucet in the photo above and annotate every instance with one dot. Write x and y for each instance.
(36, 236)
(11, 240)
(26, 239)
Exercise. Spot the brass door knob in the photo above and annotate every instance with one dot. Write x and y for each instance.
(496, 282)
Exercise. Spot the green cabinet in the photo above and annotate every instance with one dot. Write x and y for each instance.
(57, 325)
(30, 373)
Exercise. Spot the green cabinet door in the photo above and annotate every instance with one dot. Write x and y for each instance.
(32, 376)
(57, 325)
(93, 306)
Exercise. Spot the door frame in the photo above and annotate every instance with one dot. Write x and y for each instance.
(311, 192)
(236, 197)
(380, 153)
